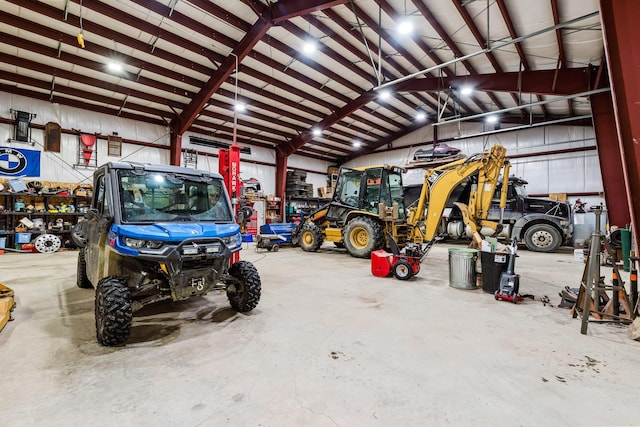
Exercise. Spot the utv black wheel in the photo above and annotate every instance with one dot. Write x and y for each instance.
(363, 235)
(402, 270)
(244, 291)
(81, 277)
(114, 313)
(310, 238)
(542, 238)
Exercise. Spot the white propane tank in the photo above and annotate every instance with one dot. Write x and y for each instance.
(455, 229)
(487, 231)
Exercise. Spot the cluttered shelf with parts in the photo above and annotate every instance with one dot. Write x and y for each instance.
(30, 211)
(300, 207)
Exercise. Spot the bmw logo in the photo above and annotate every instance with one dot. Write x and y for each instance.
(12, 162)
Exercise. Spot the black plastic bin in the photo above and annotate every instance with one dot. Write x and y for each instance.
(493, 264)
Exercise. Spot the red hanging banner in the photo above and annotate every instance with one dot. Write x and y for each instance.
(88, 141)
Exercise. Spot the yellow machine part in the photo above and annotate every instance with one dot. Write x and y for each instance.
(7, 304)
(333, 234)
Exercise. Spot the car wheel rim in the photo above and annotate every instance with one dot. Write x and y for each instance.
(359, 238)
(542, 239)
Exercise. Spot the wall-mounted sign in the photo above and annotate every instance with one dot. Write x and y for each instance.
(19, 162)
(52, 136)
(114, 145)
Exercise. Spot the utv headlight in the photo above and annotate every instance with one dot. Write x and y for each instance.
(233, 241)
(140, 243)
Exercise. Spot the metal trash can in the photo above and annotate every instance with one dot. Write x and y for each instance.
(462, 268)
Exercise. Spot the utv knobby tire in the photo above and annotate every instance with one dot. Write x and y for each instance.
(542, 238)
(311, 237)
(244, 291)
(114, 313)
(81, 277)
(363, 235)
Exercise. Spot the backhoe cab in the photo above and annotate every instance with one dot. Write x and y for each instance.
(369, 211)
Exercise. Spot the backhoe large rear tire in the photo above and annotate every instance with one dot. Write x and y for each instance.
(363, 235)
(114, 312)
(311, 237)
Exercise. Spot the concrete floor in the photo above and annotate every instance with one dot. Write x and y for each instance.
(328, 345)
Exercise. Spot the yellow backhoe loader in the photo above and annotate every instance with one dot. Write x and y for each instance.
(368, 208)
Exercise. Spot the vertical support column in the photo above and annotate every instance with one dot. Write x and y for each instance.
(621, 34)
(613, 180)
(281, 180)
(175, 149)
(229, 168)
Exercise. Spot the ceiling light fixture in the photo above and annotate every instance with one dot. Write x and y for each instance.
(114, 67)
(385, 94)
(310, 47)
(421, 116)
(316, 132)
(356, 143)
(240, 107)
(405, 27)
(466, 90)
(492, 119)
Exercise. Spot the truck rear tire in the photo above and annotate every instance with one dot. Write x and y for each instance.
(244, 292)
(542, 238)
(81, 276)
(310, 238)
(363, 235)
(114, 313)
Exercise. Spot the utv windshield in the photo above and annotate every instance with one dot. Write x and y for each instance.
(155, 197)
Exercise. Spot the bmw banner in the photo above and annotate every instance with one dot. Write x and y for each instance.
(19, 162)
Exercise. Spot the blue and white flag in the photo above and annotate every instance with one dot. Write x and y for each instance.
(19, 162)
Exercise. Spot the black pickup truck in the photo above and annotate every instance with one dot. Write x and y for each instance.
(543, 225)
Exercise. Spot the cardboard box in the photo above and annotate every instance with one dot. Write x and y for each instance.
(560, 197)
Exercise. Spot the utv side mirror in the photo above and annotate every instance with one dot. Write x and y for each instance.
(91, 213)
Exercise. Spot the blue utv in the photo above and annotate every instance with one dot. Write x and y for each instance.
(158, 233)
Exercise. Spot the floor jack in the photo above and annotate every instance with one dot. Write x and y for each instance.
(509, 281)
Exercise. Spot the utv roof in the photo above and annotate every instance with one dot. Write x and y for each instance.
(159, 168)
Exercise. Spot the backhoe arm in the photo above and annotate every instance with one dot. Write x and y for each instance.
(440, 182)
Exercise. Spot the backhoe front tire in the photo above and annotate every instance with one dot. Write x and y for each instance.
(114, 312)
(311, 237)
(81, 276)
(244, 292)
(363, 235)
